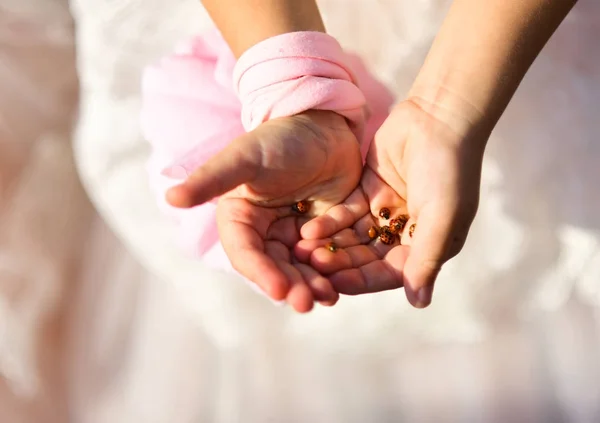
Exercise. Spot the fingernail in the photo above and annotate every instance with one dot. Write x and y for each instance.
(424, 296)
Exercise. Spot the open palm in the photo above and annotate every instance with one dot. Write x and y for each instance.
(424, 165)
(311, 157)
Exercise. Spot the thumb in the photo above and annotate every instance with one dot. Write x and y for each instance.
(428, 252)
(236, 164)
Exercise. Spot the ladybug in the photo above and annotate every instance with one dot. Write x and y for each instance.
(411, 230)
(300, 207)
(397, 224)
(387, 236)
(385, 213)
(373, 232)
(332, 247)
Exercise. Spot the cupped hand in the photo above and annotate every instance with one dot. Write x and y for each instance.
(424, 164)
(311, 157)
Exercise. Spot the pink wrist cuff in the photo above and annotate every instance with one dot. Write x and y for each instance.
(295, 72)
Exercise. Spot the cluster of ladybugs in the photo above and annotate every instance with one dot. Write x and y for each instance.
(387, 234)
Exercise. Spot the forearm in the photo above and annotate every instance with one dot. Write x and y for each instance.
(482, 53)
(244, 23)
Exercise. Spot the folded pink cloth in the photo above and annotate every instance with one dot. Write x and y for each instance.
(199, 99)
(295, 72)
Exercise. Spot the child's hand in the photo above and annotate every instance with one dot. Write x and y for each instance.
(312, 156)
(424, 163)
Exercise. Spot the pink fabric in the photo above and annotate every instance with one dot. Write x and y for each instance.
(295, 72)
(193, 100)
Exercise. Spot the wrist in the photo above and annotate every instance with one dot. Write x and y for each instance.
(480, 56)
(446, 102)
(245, 23)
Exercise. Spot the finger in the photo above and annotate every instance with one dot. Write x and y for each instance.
(299, 296)
(355, 245)
(320, 286)
(428, 251)
(376, 276)
(381, 195)
(235, 165)
(286, 230)
(357, 256)
(242, 234)
(349, 237)
(277, 251)
(337, 218)
(354, 248)
(328, 262)
(361, 230)
(263, 271)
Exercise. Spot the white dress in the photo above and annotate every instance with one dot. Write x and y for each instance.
(513, 333)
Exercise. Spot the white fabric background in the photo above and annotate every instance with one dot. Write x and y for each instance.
(102, 328)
